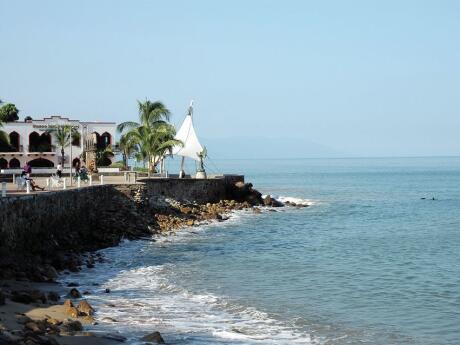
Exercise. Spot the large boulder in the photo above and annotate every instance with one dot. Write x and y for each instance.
(243, 192)
(74, 293)
(272, 202)
(72, 326)
(85, 308)
(154, 337)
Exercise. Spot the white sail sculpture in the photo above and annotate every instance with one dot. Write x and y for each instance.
(191, 147)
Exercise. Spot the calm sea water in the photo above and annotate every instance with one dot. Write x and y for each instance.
(369, 262)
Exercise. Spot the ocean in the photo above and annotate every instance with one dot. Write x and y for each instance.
(374, 259)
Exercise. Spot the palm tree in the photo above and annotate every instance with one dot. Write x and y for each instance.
(64, 135)
(104, 157)
(128, 147)
(153, 135)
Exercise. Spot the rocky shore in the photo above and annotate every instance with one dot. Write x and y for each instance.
(36, 310)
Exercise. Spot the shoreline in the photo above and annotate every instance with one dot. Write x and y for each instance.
(46, 320)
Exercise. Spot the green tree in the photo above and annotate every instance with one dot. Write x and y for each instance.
(104, 157)
(64, 135)
(153, 135)
(128, 147)
(9, 113)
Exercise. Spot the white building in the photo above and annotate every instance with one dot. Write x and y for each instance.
(31, 142)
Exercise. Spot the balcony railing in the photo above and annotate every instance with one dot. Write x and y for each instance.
(12, 149)
(42, 148)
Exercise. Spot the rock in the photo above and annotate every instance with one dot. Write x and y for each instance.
(2, 298)
(53, 296)
(22, 297)
(154, 337)
(88, 319)
(85, 308)
(53, 321)
(73, 284)
(107, 290)
(35, 327)
(50, 272)
(269, 201)
(115, 337)
(23, 319)
(72, 312)
(72, 326)
(74, 293)
(111, 319)
(68, 303)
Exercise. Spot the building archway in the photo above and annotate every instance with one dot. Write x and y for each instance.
(105, 140)
(3, 163)
(75, 162)
(14, 141)
(34, 142)
(41, 163)
(15, 163)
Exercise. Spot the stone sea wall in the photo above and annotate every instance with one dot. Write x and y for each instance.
(42, 230)
(193, 190)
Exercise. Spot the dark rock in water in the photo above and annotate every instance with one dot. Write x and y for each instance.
(269, 201)
(154, 337)
(85, 308)
(115, 337)
(73, 284)
(74, 293)
(72, 326)
(53, 296)
(22, 297)
(111, 319)
(50, 272)
(242, 192)
(107, 291)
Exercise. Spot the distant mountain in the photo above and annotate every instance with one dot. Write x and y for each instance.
(260, 147)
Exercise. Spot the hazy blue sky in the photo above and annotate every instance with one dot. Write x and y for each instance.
(359, 77)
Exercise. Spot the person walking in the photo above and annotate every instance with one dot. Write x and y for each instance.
(59, 170)
(27, 169)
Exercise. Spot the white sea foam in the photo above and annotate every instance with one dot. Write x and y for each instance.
(297, 201)
(144, 298)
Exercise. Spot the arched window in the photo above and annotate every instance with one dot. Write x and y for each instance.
(106, 140)
(34, 142)
(14, 141)
(41, 163)
(3, 163)
(45, 142)
(97, 139)
(15, 163)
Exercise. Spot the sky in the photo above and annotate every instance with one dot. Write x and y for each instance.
(297, 78)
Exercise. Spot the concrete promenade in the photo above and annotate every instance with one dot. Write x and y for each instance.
(41, 181)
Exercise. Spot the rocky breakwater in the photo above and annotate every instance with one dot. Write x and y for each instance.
(42, 243)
